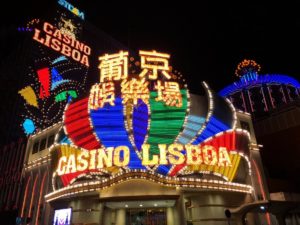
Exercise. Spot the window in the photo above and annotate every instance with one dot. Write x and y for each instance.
(35, 148)
(50, 140)
(43, 144)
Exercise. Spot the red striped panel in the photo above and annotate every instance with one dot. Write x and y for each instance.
(78, 127)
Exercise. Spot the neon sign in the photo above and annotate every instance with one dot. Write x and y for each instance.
(52, 37)
(120, 156)
(71, 8)
(147, 120)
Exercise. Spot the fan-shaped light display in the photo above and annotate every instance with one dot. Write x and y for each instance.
(148, 123)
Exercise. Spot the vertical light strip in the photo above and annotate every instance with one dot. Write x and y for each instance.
(244, 102)
(32, 196)
(40, 199)
(271, 98)
(25, 196)
(261, 188)
(265, 100)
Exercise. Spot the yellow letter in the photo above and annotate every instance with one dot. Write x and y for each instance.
(82, 161)
(105, 157)
(93, 159)
(57, 34)
(36, 36)
(48, 28)
(71, 166)
(163, 154)
(209, 155)
(87, 50)
(55, 44)
(146, 161)
(193, 154)
(176, 156)
(61, 169)
(117, 158)
(85, 60)
(224, 159)
(66, 50)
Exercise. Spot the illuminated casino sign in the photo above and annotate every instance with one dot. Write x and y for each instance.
(120, 156)
(141, 119)
(63, 43)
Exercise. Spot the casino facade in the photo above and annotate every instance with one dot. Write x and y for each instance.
(141, 149)
(116, 137)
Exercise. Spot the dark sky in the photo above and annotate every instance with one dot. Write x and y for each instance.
(206, 41)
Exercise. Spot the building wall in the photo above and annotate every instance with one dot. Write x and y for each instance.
(207, 208)
(279, 135)
(85, 210)
(37, 177)
(11, 183)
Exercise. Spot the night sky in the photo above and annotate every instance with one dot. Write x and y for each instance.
(206, 42)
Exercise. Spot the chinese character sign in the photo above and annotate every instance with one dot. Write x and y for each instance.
(139, 117)
(134, 90)
(152, 63)
(113, 67)
(101, 94)
(154, 68)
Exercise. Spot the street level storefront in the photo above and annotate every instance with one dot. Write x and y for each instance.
(141, 149)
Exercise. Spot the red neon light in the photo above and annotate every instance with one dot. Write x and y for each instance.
(25, 196)
(244, 102)
(264, 98)
(78, 125)
(32, 196)
(44, 78)
(250, 101)
(40, 199)
(261, 188)
(271, 98)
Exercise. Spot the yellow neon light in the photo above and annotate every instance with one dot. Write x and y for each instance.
(169, 93)
(114, 66)
(133, 90)
(197, 158)
(152, 62)
(29, 95)
(100, 94)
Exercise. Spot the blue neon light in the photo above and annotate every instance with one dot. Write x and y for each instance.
(193, 125)
(213, 127)
(140, 123)
(55, 76)
(109, 125)
(56, 79)
(28, 126)
(59, 59)
(261, 79)
(71, 8)
(56, 84)
(65, 140)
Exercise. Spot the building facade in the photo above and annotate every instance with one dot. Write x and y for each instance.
(63, 171)
(273, 101)
(11, 166)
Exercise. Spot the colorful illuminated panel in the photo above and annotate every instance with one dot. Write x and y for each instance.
(147, 122)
